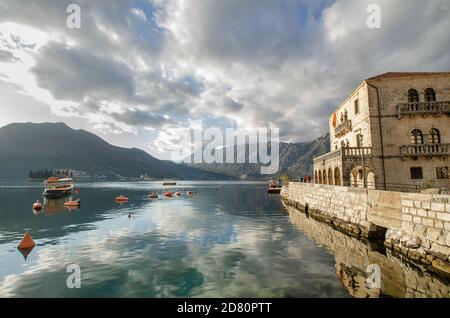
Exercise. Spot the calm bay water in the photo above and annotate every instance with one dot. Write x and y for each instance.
(230, 239)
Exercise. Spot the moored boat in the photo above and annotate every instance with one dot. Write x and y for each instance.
(274, 187)
(55, 188)
(122, 198)
(153, 195)
(169, 183)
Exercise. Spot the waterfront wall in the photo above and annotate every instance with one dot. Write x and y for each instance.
(353, 258)
(416, 226)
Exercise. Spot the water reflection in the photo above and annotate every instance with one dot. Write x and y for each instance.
(353, 257)
(229, 240)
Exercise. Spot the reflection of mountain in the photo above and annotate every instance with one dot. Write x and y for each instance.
(353, 258)
(295, 160)
(28, 146)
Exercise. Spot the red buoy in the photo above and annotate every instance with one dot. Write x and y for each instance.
(27, 242)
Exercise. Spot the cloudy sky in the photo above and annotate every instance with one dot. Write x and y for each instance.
(140, 72)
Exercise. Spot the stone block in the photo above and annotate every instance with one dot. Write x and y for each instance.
(408, 203)
(438, 207)
(443, 216)
(417, 220)
(406, 217)
(426, 205)
(422, 212)
(428, 222)
(432, 215)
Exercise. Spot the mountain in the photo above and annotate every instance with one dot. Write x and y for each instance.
(296, 159)
(29, 146)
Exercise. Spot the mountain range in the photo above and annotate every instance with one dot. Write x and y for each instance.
(30, 146)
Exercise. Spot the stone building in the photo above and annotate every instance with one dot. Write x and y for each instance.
(391, 133)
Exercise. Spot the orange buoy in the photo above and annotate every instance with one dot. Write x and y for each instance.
(178, 193)
(121, 199)
(190, 193)
(37, 206)
(168, 194)
(27, 242)
(77, 191)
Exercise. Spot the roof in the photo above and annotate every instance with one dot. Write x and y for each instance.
(406, 74)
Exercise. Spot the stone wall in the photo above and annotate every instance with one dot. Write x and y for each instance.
(353, 257)
(418, 225)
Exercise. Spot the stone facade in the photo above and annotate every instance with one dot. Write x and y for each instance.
(416, 226)
(404, 121)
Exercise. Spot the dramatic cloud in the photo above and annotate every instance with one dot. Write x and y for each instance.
(151, 67)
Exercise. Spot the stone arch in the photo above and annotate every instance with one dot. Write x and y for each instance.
(357, 177)
(330, 176)
(316, 180)
(337, 176)
(324, 176)
(320, 177)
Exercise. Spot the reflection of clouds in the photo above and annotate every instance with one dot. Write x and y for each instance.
(182, 247)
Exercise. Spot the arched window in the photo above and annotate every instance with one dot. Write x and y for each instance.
(416, 137)
(330, 176)
(337, 176)
(342, 144)
(320, 177)
(413, 96)
(324, 176)
(430, 95)
(434, 136)
(316, 177)
(346, 116)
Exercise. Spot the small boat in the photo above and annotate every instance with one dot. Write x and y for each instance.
(177, 193)
(73, 204)
(121, 199)
(189, 193)
(153, 195)
(274, 187)
(168, 194)
(37, 206)
(55, 188)
(169, 183)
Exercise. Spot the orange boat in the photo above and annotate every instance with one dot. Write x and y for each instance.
(73, 204)
(168, 194)
(121, 199)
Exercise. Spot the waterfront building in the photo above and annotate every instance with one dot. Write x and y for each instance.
(391, 133)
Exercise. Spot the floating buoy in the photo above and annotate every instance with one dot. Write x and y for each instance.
(168, 194)
(27, 242)
(178, 193)
(77, 191)
(37, 206)
(121, 199)
(129, 215)
(190, 193)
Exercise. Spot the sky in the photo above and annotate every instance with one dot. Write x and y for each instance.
(139, 73)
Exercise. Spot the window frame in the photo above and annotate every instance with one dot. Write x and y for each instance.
(413, 175)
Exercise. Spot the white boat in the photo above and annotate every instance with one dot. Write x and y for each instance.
(55, 188)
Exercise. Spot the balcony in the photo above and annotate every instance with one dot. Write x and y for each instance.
(427, 150)
(344, 153)
(343, 128)
(424, 108)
